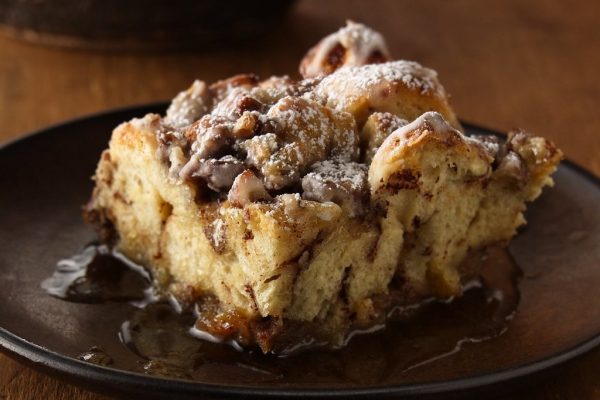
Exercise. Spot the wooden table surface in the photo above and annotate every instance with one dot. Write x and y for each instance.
(532, 64)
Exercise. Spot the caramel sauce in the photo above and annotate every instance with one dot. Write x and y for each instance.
(96, 355)
(97, 275)
(162, 340)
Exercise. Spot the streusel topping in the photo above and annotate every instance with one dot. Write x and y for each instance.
(251, 140)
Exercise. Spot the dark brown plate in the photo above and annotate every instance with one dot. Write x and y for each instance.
(46, 177)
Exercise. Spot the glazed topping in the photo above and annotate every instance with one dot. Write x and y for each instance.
(283, 134)
(253, 140)
(168, 140)
(513, 167)
(259, 139)
(219, 174)
(277, 87)
(355, 45)
(236, 102)
(211, 135)
(378, 127)
(351, 84)
(396, 152)
(189, 105)
(306, 133)
(247, 188)
(280, 145)
(508, 164)
(344, 183)
(221, 89)
(493, 145)
(259, 149)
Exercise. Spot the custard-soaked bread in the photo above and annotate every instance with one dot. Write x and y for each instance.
(288, 211)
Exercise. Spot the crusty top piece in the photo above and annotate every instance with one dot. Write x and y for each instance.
(403, 88)
(353, 45)
(397, 153)
(275, 136)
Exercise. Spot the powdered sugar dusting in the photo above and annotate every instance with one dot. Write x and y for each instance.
(360, 44)
(282, 134)
(344, 183)
(361, 38)
(401, 136)
(188, 106)
(348, 84)
(307, 132)
(349, 174)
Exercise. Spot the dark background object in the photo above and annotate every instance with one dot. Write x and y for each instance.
(140, 24)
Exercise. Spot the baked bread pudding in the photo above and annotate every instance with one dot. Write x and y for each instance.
(293, 212)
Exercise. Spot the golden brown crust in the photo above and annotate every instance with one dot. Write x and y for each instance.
(403, 88)
(353, 45)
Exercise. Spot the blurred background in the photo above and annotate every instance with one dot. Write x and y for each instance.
(533, 64)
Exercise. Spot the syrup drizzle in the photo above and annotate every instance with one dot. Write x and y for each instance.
(165, 342)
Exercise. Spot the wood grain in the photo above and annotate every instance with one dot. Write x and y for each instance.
(531, 64)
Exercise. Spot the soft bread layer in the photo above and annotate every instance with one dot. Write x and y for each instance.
(435, 194)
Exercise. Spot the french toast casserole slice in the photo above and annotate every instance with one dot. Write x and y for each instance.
(293, 211)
